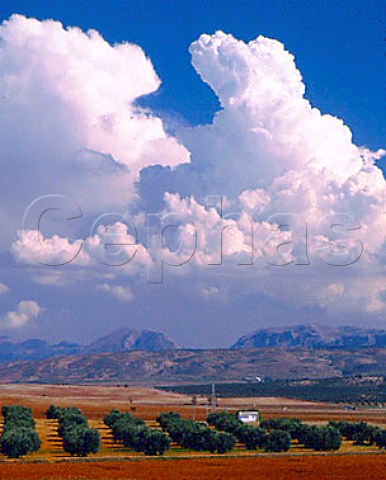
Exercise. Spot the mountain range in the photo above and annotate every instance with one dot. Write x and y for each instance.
(128, 355)
(204, 366)
(314, 336)
(121, 340)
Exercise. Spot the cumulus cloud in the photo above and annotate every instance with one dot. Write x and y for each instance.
(70, 123)
(25, 311)
(273, 156)
(32, 247)
(285, 171)
(120, 292)
(109, 247)
(266, 127)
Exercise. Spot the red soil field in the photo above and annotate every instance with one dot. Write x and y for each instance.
(95, 401)
(336, 467)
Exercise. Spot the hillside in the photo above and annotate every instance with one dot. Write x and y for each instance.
(128, 339)
(202, 365)
(314, 336)
(121, 340)
(33, 349)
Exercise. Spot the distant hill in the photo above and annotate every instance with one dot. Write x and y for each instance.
(314, 336)
(33, 349)
(125, 355)
(164, 367)
(121, 340)
(128, 339)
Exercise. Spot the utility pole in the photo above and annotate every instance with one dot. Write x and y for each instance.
(194, 403)
(214, 399)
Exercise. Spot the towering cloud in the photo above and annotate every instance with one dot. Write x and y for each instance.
(266, 127)
(71, 125)
(275, 158)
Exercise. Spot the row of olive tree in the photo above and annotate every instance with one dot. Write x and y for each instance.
(277, 440)
(380, 438)
(19, 436)
(135, 435)
(78, 438)
(317, 438)
(361, 433)
(275, 435)
(195, 435)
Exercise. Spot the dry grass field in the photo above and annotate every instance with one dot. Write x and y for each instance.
(114, 462)
(95, 401)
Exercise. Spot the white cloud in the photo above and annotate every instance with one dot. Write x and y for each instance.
(70, 124)
(111, 246)
(120, 292)
(25, 311)
(32, 248)
(268, 151)
(266, 127)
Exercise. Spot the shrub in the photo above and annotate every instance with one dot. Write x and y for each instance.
(323, 438)
(69, 421)
(133, 433)
(277, 441)
(380, 439)
(291, 425)
(112, 417)
(225, 442)
(53, 412)
(166, 418)
(252, 437)
(195, 436)
(151, 442)
(19, 436)
(365, 435)
(361, 432)
(64, 412)
(301, 432)
(177, 430)
(78, 438)
(19, 442)
(18, 416)
(130, 435)
(81, 441)
(122, 425)
(224, 421)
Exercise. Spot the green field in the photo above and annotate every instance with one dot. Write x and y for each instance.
(354, 390)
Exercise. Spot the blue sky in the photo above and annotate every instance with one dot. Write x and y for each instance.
(338, 45)
(158, 128)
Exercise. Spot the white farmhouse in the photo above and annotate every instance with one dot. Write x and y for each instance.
(248, 417)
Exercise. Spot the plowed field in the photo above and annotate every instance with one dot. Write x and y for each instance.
(350, 467)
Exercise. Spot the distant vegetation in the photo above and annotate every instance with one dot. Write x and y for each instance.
(354, 390)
